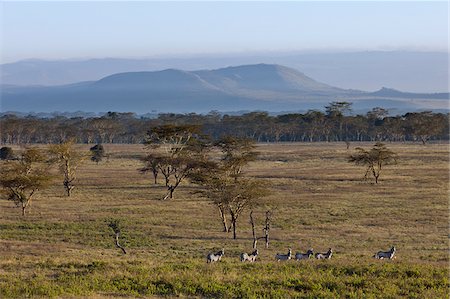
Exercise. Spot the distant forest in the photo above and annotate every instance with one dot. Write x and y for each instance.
(335, 123)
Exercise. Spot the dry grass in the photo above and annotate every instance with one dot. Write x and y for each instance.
(320, 199)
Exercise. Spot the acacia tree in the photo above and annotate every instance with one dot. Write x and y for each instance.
(225, 185)
(20, 180)
(175, 152)
(374, 159)
(68, 160)
(230, 196)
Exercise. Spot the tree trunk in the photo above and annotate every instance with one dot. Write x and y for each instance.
(223, 216)
(68, 188)
(155, 175)
(255, 239)
(376, 175)
(267, 227)
(233, 222)
(169, 194)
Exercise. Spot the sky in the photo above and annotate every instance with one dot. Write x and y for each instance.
(76, 30)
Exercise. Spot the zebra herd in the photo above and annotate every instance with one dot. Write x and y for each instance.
(215, 257)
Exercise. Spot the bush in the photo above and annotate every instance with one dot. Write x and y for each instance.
(6, 153)
(98, 152)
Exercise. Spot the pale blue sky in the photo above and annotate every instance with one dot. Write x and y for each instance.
(60, 30)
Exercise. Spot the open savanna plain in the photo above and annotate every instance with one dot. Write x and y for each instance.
(64, 247)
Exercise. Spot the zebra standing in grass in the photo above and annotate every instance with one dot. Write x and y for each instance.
(249, 257)
(323, 256)
(385, 254)
(284, 257)
(302, 256)
(215, 257)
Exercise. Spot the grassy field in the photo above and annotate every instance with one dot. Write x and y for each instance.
(64, 247)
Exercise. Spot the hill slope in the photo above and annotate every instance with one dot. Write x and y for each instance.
(248, 87)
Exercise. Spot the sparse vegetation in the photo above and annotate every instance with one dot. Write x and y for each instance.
(65, 249)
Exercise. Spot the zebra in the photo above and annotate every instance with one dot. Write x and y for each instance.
(284, 257)
(327, 255)
(215, 257)
(385, 254)
(302, 256)
(249, 257)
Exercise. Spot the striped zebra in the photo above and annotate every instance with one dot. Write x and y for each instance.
(323, 256)
(302, 256)
(385, 254)
(215, 257)
(249, 257)
(284, 257)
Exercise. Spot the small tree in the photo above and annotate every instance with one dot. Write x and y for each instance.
(374, 159)
(97, 153)
(20, 180)
(68, 159)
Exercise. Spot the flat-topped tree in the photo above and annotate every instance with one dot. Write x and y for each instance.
(374, 159)
(175, 152)
(21, 179)
(68, 159)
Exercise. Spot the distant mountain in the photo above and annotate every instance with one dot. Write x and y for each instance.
(369, 70)
(249, 87)
(392, 93)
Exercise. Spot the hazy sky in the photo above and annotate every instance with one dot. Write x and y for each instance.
(55, 30)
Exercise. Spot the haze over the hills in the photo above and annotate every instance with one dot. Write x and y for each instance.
(248, 87)
(403, 70)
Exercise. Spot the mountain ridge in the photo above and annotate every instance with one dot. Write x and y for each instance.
(368, 70)
(247, 87)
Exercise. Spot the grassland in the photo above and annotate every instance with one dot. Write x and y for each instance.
(64, 247)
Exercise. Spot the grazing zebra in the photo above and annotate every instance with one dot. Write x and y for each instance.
(302, 256)
(323, 256)
(284, 257)
(215, 257)
(249, 257)
(385, 254)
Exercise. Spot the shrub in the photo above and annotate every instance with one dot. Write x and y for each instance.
(6, 153)
(98, 152)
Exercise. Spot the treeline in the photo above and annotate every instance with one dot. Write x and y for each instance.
(334, 124)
